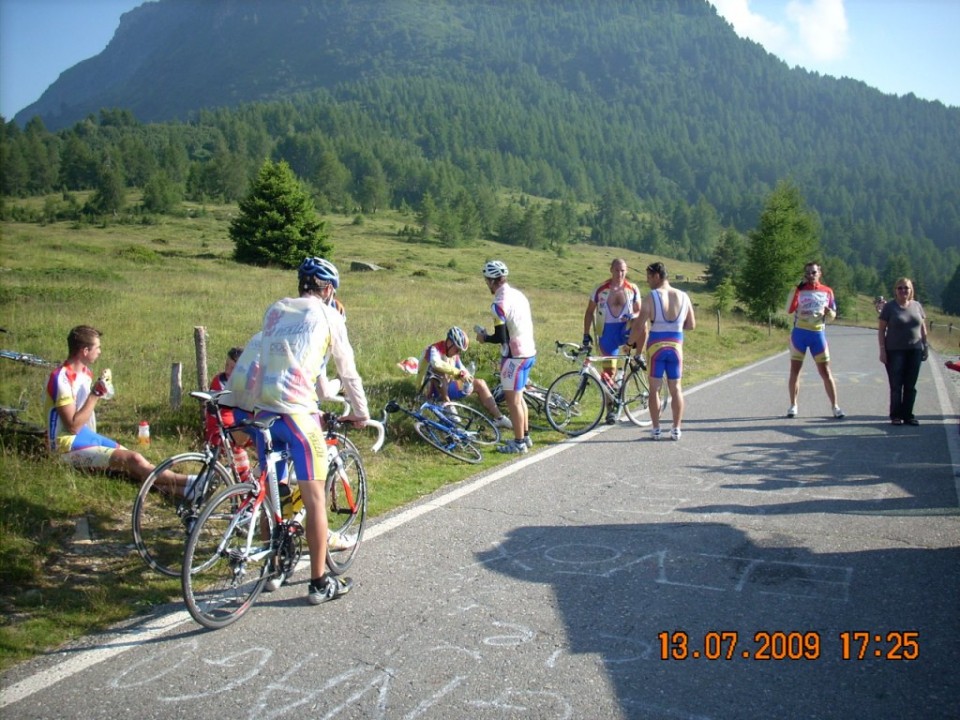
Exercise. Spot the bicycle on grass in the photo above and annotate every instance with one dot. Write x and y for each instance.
(576, 400)
(241, 539)
(163, 515)
(452, 428)
(15, 432)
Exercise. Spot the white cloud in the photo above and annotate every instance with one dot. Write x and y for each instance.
(821, 27)
(810, 32)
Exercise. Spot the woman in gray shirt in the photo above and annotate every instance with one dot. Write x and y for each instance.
(903, 341)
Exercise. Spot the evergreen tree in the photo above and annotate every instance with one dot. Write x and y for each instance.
(950, 298)
(785, 239)
(727, 259)
(109, 196)
(161, 194)
(277, 224)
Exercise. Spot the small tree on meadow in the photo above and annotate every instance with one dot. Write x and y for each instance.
(277, 224)
(786, 237)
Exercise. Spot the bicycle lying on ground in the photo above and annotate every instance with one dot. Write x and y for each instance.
(452, 428)
(15, 432)
(162, 514)
(241, 539)
(577, 400)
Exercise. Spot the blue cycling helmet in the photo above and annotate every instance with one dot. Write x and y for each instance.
(458, 337)
(318, 269)
(495, 269)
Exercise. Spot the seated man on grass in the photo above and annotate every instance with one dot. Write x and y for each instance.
(72, 397)
(444, 377)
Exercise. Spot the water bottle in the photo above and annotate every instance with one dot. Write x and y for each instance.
(607, 380)
(241, 463)
(143, 433)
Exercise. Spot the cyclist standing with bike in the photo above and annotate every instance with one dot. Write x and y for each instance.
(513, 329)
(296, 337)
(665, 314)
(617, 302)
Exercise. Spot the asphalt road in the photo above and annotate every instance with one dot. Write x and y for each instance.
(802, 568)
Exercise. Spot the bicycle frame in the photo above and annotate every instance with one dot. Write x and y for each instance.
(267, 492)
(451, 435)
(577, 399)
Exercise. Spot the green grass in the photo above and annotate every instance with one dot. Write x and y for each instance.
(147, 286)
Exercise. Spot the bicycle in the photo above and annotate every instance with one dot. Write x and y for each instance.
(536, 399)
(576, 400)
(26, 437)
(452, 428)
(162, 516)
(241, 538)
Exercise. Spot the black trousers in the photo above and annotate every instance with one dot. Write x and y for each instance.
(903, 369)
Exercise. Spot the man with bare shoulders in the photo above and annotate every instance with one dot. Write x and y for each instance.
(610, 310)
(665, 313)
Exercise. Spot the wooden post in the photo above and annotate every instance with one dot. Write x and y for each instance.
(718, 321)
(176, 385)
(200, 343)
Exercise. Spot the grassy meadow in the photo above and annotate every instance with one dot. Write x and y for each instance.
(147, 286)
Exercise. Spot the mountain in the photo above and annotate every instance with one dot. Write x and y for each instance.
(656, 100)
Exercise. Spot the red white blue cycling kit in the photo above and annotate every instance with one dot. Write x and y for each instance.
(86, 449)
(810, 305)
(616, 306)
(511, 310)
(436, 362)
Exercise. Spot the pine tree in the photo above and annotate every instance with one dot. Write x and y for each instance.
(277, 224)
(950, 297)
(785, 239)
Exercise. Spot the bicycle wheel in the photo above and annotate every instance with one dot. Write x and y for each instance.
(480, 427)
(536, 399)
(451, 442)
(346, 501)
(227, 560)
(575, 403)
(162, 518)
(635, 397)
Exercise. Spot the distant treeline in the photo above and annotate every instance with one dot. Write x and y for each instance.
(646, 125)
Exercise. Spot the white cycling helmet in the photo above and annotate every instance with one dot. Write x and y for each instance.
(495, 269)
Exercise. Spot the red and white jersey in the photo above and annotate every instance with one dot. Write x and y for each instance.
(65, 386)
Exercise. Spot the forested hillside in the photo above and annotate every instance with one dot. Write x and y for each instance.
(652, 112)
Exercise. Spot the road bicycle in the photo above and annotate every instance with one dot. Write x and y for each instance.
(577, 400)
(241, 539)
(162, 514)
(15, 432)
(536, 399)
(452, 428)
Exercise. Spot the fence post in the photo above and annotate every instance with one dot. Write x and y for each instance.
(200, 343)
(176, 385)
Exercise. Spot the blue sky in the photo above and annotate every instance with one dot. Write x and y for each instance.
(896, 46)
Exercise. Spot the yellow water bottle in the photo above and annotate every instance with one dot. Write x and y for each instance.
(143, 433)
